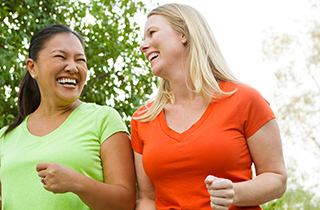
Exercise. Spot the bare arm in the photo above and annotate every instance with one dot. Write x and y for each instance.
(266, 151)
(146, 191)
(118, 191)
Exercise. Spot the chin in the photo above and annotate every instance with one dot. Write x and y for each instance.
(155, 72)
(70, 98)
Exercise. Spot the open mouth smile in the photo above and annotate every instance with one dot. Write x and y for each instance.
(67, 81)
(153, 56)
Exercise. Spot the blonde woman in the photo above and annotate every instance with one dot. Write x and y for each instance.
(195, 143)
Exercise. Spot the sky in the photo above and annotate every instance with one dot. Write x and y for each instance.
(238, 28)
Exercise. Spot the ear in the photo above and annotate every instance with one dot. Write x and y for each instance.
(31, 66)
(184, 39)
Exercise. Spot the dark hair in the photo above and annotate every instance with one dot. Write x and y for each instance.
(29, 94)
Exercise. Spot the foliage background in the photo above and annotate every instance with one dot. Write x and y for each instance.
(118, 75)
(295, 56)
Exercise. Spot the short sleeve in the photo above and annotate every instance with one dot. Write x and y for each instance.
(136, 142)
(2, 130)
(110, 123)
(254, 110)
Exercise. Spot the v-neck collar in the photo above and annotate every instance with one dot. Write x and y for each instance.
(180, 136)
(27, 132)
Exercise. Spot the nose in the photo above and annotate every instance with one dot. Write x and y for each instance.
(72, 68)
(144, 46)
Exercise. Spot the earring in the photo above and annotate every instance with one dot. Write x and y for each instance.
(33, 76)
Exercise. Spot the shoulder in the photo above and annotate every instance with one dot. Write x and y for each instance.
(93, 109)
(142, 109)
(2, 130)
(243, 92)
(102, 115)
(243, 88)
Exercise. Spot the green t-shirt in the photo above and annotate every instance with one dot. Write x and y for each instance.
(76, 144)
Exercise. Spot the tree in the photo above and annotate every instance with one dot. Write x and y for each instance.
(295, 198)
(297, 57)
(111, 35)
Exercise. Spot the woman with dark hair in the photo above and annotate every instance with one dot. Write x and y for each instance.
(79, 151)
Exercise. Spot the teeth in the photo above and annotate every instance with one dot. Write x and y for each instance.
(152, 56)
(67, 81)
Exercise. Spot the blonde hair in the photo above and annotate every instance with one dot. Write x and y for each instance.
(207, 65)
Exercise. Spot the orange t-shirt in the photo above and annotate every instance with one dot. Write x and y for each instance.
(177, 164)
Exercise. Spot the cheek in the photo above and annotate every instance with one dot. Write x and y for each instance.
(155, 41)
(83, 72)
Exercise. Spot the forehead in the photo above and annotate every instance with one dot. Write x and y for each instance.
(156, 21)
(64, 41)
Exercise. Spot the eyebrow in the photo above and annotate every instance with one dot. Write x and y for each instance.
(64, 52)
(149, 28)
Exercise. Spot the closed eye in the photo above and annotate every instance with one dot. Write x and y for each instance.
(59, 56)
(82, 60)
(151, 32)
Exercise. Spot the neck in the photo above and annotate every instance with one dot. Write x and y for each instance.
(183, 90)
(49, 111)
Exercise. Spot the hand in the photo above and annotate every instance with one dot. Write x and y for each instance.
(56, 177)
(221, 192)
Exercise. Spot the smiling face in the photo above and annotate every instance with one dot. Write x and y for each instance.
(60, 69)
(163, 47)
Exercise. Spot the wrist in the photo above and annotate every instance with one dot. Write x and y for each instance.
(77, 183)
